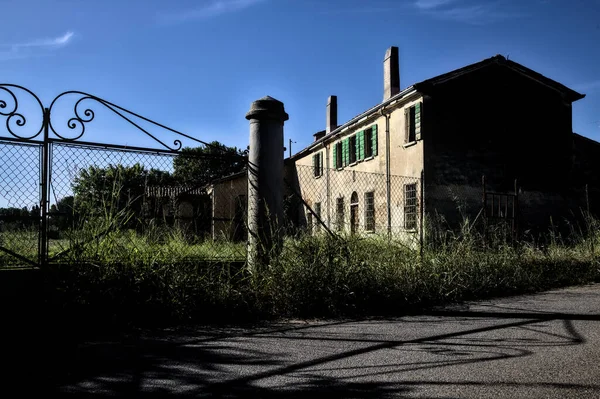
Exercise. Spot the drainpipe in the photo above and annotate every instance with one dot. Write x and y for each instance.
(388, 177)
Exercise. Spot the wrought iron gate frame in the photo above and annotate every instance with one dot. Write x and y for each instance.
(43, 137)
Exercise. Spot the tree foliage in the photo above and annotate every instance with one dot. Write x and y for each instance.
(107, 190)
(201, 165)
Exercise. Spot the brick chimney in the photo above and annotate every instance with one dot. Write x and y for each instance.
(391, 73)
(331, 114)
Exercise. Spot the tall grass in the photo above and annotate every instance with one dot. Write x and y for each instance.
(138, 278)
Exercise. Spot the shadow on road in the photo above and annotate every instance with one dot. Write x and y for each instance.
(287, 361)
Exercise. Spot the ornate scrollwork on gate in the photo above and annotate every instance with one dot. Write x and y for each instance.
(18, 120)
(74, 129)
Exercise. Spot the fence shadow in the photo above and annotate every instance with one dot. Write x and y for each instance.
(246, 362)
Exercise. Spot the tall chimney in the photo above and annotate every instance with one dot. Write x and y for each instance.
(331, 114)
(391, 73)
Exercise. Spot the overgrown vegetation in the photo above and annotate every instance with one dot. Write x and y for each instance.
(146, 279)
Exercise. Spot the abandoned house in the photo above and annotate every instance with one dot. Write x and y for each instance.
(426, 148)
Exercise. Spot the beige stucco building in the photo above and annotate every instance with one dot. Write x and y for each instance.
(425, 149)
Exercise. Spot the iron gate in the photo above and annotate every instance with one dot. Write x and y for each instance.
(60, 196)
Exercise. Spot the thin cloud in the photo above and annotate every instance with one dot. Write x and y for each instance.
(12, 51)
(54, 42)
(210, 9)
(430, 4)
(464, 11)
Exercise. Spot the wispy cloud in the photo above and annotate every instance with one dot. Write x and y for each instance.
(53, 42)
(475, 13)
(11, 51)
(430, 4)
(208, 9)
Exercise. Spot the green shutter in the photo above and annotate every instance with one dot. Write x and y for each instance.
(406, 125)
(345, 152)
(360, 145)
(321, 162)
(335, 165)
(418, 121)
(374, 140)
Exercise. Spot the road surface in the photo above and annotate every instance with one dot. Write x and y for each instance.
(539, 346)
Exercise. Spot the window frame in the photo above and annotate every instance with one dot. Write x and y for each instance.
(352, 150)
(370, 211)
(410, 206)
(368, 140)
(339, 156)
(318, 164)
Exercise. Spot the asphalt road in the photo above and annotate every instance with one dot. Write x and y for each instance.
(540, 346)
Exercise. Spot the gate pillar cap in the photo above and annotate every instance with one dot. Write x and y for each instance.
(267, 108)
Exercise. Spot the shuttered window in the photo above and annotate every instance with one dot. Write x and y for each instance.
(355, 148)
(360, 145)
(352, 149)
(338, 155)
(412, 117)
(317, 161)
(345, 152)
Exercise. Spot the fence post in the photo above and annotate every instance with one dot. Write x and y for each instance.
(265, 180)
(45, 193)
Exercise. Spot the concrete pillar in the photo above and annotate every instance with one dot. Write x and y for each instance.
(265, 180)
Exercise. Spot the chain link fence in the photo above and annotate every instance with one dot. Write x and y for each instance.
(353, 202)
(113, 205)
(109, 204)
(19, 202)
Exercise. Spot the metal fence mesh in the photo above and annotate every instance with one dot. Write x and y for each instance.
(108, 204)
(353, 202)
(19, 201)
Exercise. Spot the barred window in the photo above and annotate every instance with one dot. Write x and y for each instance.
(410, 206)
(309, 222)
(370, 211)
(340, 213)
(318, 213)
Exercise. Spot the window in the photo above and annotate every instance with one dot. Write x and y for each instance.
(352, 149)
(337, 155)
(340, 214)
(410, 206)
(370, 211)
(318, 213)
(309, 221)
(318, 164)
(369, 142)
(412, 117)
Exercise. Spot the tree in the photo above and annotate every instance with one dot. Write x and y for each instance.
(107, 191)
(201, 165)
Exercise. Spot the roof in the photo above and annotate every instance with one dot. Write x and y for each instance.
(570, 94)
(426, 85)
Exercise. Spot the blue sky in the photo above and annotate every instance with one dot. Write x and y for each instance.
(197, 65)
